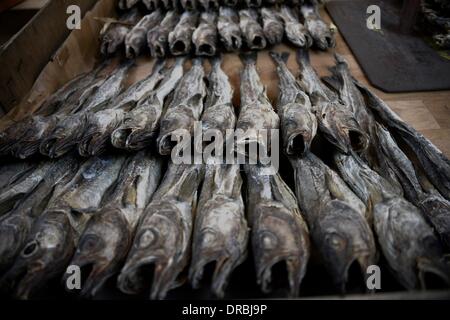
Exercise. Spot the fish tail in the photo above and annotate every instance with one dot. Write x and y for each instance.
(280, 57)
(303, 57)
(249, 58)
(333, 81)
(197, 62)
(216, 62)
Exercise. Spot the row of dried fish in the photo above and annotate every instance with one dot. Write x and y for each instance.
(111, 215)
(179, 34)
(195, 5)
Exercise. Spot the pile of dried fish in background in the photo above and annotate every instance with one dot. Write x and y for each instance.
(364, 186)
(232, 26)
(436, 21)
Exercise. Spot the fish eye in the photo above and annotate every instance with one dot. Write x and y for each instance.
(147, 238)
(335, 241)
(30, 249)
(268, 240)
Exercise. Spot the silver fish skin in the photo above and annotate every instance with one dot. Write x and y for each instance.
(70, 130)
(220, 231)
(55, 234)
(12, 193)
(180, 37)
(317, 28)
(435, 208)
(218, 114)
(256, 112)
(151, 5)
(336, 217)
(163, 237)
(136, 39)
(254, 3)
(16, 225)
(434, 163)
(251, 30)
(228, 29)
(101, 125)
(109, 233)
(209, 4)
(298, 122)
(11, 172)
(185, 108)
(189, 5)
(168, 4)
(272, 25)
(112, 36)
(336, 122)
(205, 36)
(295, 31)
(140, 125)
(279, 233)
(397, 223)
(158, 37)
(22, 139)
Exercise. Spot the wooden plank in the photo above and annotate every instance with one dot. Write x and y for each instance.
(25, 55)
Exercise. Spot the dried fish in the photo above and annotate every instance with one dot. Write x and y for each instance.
(69, 131)
(15, 226)
(209, 4)
(434, 163)
(158, 37)
(113, 34)
(254, 3)
(407, 242)
(272, 25)
(180, 37)
(252, 32)
(256, 112)
(189, 5)
(14, 170)
(163, 238)
(151, 5)
(228, 28)
(279, 233)
(55, 234)
(296, 32)
(317, 28)
(231, 3)
(434, 207)
(185, 108)
(205, 36)
(109, 233)
(100, 125)
(136, 39)
(218, 114)
(131, 3)
(298, 122)
(220, 232)
(336, 122)
(140, 125)
(336, 217)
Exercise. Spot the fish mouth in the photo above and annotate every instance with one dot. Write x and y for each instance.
(154, 271)
(358, 140)
(119, 137)
(57, 147)
(159, 50)
(23, 280)
(25, 149)
(138, 139)
(236, 43)
(206, 49)
(362, 261)
(436, 268)
(298, 143)
(258, 42)
(166, 144)
(189, 5)
(131, 52)
(93, 144)
(179, 47)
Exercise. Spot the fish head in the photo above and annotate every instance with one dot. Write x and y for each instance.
(343, 237)
(153, 254)
(299, 128)
(14, 230)
(102, 246)
(278, 237)
(298, 37)
(232, 40)
(341, 128)
(220, 238)
(113, 39)
(44, 255)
